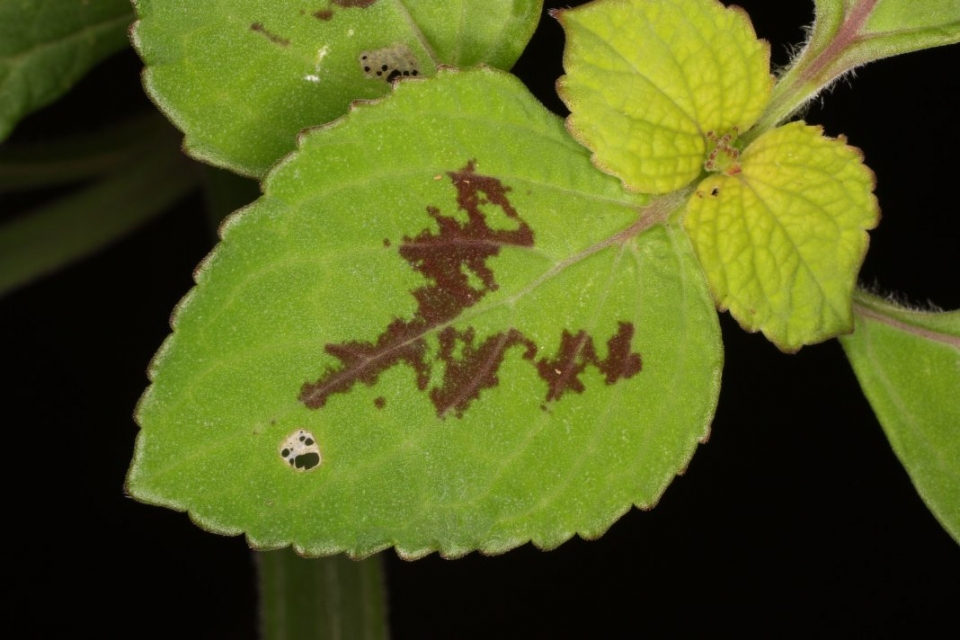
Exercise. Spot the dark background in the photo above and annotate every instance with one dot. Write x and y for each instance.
(795, 519)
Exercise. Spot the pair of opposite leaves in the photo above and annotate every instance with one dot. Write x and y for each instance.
(489, 340)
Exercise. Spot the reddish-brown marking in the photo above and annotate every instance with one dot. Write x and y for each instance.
(323, 14)
(453, 260)
(386, 242)
(475, 370)
(359, 4)
(380, 402)
(272, 37)
(577, 352)
(445, 259)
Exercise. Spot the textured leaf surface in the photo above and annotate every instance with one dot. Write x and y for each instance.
(46, 46)
(908, 364)
(782, 240)
(643, 97)
(479, 339)
(241, 79)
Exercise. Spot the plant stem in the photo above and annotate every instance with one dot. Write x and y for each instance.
(919, 323)
(818, 65)
(332, 597)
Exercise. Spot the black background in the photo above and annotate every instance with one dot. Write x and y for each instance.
(795, 519)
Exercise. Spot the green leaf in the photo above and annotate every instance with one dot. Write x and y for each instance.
(480, 338)
(38, 242)
(908, 363)
(645, 99)
(782, 239)
(241, 80)
(47, 46)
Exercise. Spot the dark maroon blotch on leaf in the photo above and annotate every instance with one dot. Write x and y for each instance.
(454, 262)
(354, 4)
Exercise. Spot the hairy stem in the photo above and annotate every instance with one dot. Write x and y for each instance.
(870, 306)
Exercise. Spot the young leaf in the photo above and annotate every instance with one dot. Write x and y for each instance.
(782, 239)
(439, 329)
(241, 79)
(46, 47)
(645, 99)
(908, 363)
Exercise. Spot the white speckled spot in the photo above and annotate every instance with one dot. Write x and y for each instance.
(300, 452)
(390, 63)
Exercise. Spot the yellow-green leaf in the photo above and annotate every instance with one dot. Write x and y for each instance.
(782, 240)
(644, 98)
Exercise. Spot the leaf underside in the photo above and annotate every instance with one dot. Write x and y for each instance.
(459, 342)
(908, 364)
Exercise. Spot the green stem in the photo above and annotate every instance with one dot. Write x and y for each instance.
(923, 324)
(310, 599)
(819, 64)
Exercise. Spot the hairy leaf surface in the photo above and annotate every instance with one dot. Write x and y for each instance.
(783, 237)
(242, 78)
(648, 81)
(474, 332)
(908, 363)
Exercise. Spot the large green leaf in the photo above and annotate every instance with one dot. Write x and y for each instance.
(908, 363)
(242, 78)
(783, 237)
(46, 46)
(649, 83)
(480, 338)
